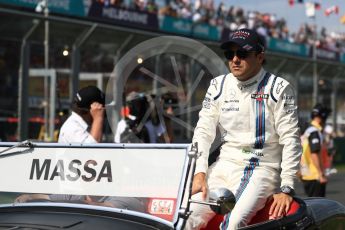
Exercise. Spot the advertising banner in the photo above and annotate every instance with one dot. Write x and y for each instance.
(111, 14)
(327, 55)
(176, 25)
(124, 17)
(92, 10)
(283, 46)
(342, 57)
(205, 31)
(73, 8)
(132, 172)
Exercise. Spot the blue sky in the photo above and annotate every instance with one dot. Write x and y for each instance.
(295, 15)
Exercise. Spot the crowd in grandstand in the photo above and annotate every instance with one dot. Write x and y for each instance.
(233, 17)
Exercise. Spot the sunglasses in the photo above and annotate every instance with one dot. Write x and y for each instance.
(241, 54)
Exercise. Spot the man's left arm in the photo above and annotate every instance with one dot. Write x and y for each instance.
(286, 125)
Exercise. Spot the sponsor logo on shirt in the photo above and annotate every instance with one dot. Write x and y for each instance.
(289, 104)
(279, 87)
(206, 103)
(230, 109)
(289, 107)
(255, 152)
(315, 141)
(232, 101)
(259, 96)
(214, 83)
(231, 93)
(288, 97)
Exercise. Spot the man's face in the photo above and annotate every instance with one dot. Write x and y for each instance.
(243, 64)
(323, 122)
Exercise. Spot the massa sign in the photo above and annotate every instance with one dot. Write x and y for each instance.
(73, 170)
(102, 171)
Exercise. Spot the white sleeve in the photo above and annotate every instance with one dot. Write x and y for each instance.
(82, 136)
(286, 124)
(75, 134)
(205, 130)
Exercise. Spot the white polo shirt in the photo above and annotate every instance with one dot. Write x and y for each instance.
(75, 130)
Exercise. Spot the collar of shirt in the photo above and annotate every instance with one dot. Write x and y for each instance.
(80, 120)
(316, 125)
(252, 81)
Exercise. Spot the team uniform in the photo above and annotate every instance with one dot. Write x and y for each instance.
(75, 130)
(261, 148)
(312, 140)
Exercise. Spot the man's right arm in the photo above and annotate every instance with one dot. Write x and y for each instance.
(315, 149)
(205, 130)
(199, 184)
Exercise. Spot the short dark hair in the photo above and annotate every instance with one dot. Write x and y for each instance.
(321, 111)
(79, 110)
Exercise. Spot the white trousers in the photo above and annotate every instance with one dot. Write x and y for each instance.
(251, 184)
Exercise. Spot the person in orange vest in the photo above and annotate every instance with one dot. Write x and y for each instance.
(312, 167)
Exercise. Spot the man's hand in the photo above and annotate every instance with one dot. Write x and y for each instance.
(199, 185)
(280, 206)
(323, 179)
(97, 114)
(97, 111)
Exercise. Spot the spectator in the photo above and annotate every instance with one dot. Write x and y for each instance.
(139, 5)
(204, 11)
(87, 114)
(155, 123)
(169, 104)
(122, 124)
(131, 128)
(151, 7)
(186, 12)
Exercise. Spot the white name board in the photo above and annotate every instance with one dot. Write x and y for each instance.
(132, 172)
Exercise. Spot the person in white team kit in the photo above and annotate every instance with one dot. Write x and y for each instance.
(85, 125)
(256, 113)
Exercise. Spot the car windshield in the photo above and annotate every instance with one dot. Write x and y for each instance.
(143, 178)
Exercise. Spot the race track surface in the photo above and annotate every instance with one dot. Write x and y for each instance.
(335, 188)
